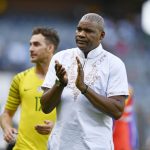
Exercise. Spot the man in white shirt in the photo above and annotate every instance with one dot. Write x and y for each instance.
(88, 86)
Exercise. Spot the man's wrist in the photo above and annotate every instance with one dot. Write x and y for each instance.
(59, 83)
(84, 91)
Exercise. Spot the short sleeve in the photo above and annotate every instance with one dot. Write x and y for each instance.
(13, 100)
(117, 83)
(51, 75)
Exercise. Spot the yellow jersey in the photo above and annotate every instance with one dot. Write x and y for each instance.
(26, 91)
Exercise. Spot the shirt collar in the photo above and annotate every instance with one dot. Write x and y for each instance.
(93, 53)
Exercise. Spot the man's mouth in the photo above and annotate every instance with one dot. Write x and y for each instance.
(81, 42)
(32, 56)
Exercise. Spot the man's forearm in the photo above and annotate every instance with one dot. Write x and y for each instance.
(5, 120)
(51, 98)
(112, 106)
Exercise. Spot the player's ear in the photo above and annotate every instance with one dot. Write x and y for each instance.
(51, 48)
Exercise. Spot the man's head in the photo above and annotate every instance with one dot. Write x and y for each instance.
(43, 43)
(90, 32)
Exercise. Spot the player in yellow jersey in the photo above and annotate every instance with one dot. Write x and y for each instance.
(34, 126)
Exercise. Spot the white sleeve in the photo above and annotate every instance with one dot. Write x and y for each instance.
(117, 83)
(50, 78)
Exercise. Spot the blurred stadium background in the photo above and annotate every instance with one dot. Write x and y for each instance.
(124, 37)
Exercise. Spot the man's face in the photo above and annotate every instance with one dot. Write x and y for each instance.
(88, 35)
(39, 49)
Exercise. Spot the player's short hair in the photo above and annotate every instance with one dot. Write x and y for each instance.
(50, 34)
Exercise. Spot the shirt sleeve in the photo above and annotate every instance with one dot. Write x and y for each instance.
(117, 83)
(13, 100)
(50, 78)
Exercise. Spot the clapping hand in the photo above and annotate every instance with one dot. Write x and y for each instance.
(61, 73)
(80, 76)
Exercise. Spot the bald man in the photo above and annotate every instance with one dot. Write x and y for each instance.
(88, 86)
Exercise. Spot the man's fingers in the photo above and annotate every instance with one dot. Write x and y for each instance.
(79, 69)
(79, 63)
(44, 129)
(46, 126)
(44, 132)
(50, 123)
(14, 131)
(9, 138)
(77, 58)
(60, 71)
(57, 66)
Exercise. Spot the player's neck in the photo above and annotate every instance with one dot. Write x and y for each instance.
(41, 70)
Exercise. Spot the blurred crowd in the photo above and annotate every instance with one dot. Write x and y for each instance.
(124, 37)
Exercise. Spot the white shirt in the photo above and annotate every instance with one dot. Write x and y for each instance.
(79, 125)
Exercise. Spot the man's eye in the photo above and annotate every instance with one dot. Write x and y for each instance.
(36, 44)
(87, 30)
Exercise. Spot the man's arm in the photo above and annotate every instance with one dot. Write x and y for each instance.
(112, 106)
(51, 97)
(6, 124)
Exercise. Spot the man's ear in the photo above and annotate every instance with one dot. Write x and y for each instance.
(51, 48)
(102, 35)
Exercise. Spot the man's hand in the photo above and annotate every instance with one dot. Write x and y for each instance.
(61, 73)
(10, 134)
(80, 76)
(45, 128)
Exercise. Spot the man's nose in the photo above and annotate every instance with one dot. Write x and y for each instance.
(31, 48)
(81, 33)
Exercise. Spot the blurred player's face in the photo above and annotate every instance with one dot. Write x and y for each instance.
(88, 35)
(39, 49)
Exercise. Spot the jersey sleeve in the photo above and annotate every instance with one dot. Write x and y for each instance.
(13, 99)
(51, 74)
(117, 84)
